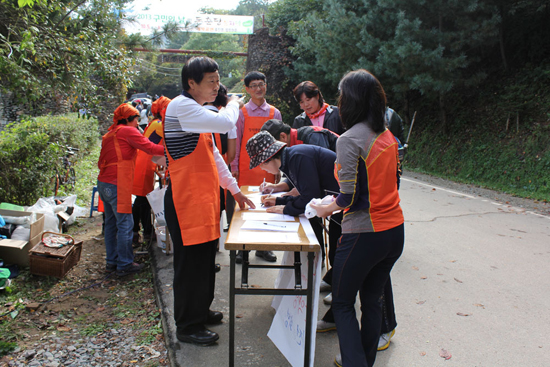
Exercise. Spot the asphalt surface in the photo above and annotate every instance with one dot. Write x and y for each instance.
(471, 289)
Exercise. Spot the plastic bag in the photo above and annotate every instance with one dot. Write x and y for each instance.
(156, 200)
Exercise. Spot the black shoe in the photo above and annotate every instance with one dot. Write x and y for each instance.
(201, 337)
(130, 269)
(214, 317)
(239, 257)
(267, 255)
(217, 268)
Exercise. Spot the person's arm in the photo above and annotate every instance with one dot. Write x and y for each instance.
(138, 141)
(238, 142)
(231, 144)
(196, 119)
(227, 181)
(348, 153)
(308, 184)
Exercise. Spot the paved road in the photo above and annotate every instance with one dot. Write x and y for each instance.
(473, 280)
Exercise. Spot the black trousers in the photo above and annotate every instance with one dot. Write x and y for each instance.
(141, 211)
(194, 274)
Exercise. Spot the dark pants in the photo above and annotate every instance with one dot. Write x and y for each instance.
(389, 321)
(229, 207)
(141, 211)
(334, 233)
(362, 264)
(194, 275)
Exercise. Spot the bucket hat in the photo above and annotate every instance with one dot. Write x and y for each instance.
(261, 147)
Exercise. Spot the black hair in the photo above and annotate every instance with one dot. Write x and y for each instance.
(253, 75)
(195, 68)
(134, 103)
(126, 121)
(310, 89)
(276, 127)
(221, 98)
(362, 99)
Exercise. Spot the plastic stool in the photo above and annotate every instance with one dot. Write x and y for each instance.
(92, 206)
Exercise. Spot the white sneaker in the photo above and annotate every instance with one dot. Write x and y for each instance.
(328, 299)
(325, 287)
(384, 341)
(324, 326)
(338, 360)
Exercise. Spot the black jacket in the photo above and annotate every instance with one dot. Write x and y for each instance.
(311, 170)
(324, 138)
(331, 122)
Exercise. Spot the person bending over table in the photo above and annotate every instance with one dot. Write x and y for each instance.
(372, 229)
(310, 169)
(197, 170)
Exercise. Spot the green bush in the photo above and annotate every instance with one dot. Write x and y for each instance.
(30, 152)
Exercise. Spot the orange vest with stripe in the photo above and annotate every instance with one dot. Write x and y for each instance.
(125, 172)
(144, 175)
(252, 126)
(196, 193)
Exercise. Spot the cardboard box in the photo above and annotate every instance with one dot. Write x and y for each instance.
(17, 251)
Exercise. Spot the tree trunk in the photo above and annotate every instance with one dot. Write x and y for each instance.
(501, 39)
(443, 113)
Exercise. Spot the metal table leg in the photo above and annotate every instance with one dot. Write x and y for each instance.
(232, 257)
(309, 308)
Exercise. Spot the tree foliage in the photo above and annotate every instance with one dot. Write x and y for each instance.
(423, 48)
(61, 48)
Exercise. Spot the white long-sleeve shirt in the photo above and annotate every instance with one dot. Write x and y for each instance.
(186, 119)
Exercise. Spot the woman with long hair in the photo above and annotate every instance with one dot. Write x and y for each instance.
(372, 229)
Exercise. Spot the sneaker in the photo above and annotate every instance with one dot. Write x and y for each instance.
(325, 287)
(130, 269)
(324, 326)
(239, 257)
(328, 299)
(338, 360)
(384, 341)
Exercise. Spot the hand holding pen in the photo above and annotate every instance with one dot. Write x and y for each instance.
(268, 200)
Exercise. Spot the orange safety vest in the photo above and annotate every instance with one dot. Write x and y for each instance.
(196, 193)
(252, 126)
(144, 176)
(125, 172)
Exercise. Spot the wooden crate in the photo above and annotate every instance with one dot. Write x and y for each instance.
(54, 262)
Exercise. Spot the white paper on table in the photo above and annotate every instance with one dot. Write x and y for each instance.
(254, 188)
(276, 237)
(287, 331)
(271, 226)
(268, 217)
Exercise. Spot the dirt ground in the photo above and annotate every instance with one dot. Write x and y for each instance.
(87, 300)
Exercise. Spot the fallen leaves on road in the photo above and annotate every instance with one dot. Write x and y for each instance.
(420, 302)
(458, 280)
(424, 277)
(479, 305)
(463, 314)
(414, 268)
(422, 354)
(443, 353)
(62, 327)
(239, 316)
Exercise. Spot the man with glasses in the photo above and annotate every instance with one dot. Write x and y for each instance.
(251, 119)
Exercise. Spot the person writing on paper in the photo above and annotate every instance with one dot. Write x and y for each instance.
(313, 135)
(310, 169)
(372, 229)
(116, 163)
(197, 170)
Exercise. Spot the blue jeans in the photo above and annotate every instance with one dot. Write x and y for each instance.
(362, 263)
(118, 228)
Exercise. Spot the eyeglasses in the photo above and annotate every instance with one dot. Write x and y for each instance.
(256, 86)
